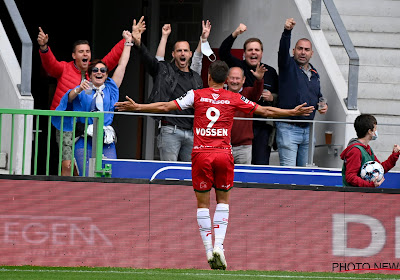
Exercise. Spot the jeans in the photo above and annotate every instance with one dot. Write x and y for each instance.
(174, 143)
(292, 143)
(242, 154)
(109, 151)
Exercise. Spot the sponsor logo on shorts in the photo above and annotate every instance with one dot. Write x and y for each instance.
(203, 185)
(225, 187)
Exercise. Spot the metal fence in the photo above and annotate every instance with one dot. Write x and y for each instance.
(16, 125)
(10, 142)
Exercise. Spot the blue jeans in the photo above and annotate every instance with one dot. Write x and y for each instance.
(292, 143)
(109, 151)
(174, 143)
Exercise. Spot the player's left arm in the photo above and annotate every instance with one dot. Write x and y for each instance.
(268, 111)
(158, 107)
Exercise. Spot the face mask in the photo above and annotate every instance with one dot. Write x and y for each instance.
(374, 137)
(207, 51)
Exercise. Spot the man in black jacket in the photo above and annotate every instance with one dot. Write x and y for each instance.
(253, 51)
(172, 80)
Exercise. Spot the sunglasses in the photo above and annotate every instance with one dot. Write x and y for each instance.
(102, 69)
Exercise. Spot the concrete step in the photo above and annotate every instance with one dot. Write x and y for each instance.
(369, 56)
(375, 74)
(365, 23)
(374, 27)
(389, 8)
(388, 124)
(366, 39)
(382, 91)
(379, 106)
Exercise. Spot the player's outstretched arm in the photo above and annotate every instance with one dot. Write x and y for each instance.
(158, 107)
(300, 110)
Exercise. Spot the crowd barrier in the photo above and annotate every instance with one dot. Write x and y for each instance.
(328, 134)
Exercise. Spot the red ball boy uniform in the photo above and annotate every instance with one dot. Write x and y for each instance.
(212, 160)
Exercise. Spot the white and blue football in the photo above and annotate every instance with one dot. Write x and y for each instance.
(372, 169)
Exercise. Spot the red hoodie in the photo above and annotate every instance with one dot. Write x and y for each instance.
(67, 75)
(352, 159)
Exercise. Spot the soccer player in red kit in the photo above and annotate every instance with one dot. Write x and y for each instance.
(212, 160)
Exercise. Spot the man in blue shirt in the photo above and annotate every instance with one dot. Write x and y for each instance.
(298, 83)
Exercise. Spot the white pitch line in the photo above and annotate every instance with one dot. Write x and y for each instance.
(194, 274)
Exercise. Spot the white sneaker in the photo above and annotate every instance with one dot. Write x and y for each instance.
(219, 258)
(211, 260)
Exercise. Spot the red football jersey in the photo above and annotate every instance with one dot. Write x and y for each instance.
(214, 110)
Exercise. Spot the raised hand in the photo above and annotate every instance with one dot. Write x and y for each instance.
(166, 30)
(127, 35)
(396, 148)
(260, 70)
(241, 28)
(128, 105)
(289, 24)
(206, 30)
(85, 85)
(42, 39)
(301, 110)
(137, 30)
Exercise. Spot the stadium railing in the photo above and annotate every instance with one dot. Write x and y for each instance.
(354, 60)
(95, 163)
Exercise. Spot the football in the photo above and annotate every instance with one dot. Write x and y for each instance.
(372, 169)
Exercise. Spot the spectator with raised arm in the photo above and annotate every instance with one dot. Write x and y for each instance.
(100, 97)
(197, 58)
(68, 75)
(253, 53)
(298, 83)
(171, 80)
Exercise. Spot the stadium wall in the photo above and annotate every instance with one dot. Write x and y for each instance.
(134, 223)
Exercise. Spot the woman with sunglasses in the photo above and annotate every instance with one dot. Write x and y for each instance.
(100, 94)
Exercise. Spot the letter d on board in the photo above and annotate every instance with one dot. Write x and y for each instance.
(339, 235)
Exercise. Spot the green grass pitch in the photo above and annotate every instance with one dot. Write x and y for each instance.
(86, 273)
